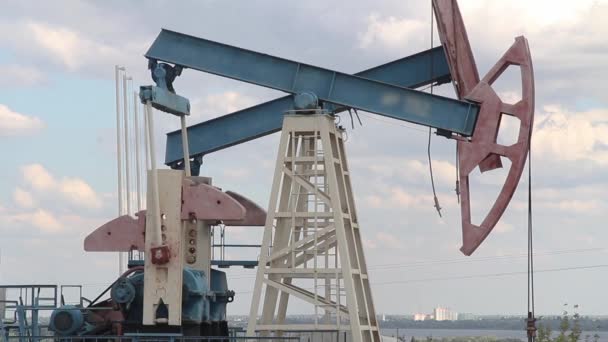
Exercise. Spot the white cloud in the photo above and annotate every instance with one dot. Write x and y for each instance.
(19, 75)
(388, 240)
(581, 206)
(45, 203)
(70, 48)
(590, 200)
(237, 173)
(74, 190)
(383, 240)
(66, 45)
(219, 104)
(395, 197)
(570, 136)
(373, 201)
(538, 14)
(401, 198)
(13, 123)
(46, 221)
(444, 172)
(565, 66)
(391, 32)
(38, 177)
(369, 244)
(412, 170)
(503, 227)
(23, 220)
(23, 198)
(79, 192)
(582, 202)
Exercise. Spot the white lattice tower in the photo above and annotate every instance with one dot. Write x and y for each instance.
(312, 248)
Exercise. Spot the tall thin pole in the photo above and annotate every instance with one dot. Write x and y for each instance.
(185, 145)
(137, 156)
(117, 70)
(128, 193)
(146, 141)
(127, 157)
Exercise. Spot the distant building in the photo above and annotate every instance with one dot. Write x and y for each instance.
(445, 314)
(420, 317)
(463, 316)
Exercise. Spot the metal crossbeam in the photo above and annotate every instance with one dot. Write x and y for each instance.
(292, 77)
(267, 118)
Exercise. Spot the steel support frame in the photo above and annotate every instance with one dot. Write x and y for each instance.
(312, 215)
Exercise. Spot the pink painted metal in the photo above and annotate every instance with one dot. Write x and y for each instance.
(483, 146)
(199, 201)
(123, 234)
(205, 202)
(453, 37)
(482, 149)
(254, 214)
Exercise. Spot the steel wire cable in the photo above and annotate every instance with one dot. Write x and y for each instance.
(428, 149)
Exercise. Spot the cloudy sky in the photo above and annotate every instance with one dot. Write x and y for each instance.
(57, 133)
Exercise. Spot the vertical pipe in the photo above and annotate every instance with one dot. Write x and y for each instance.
(146, 142)
(119, 160)
(137, 156)
(146, 154)
(127, 158)
(156, 238)
(128, 193)
(185, 145)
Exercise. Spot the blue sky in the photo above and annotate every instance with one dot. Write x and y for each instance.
(58, 180)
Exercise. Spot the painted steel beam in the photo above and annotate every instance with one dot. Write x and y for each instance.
(267, 118)
(330, 86)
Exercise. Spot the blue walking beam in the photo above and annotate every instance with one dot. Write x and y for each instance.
(329, 86)
(267, 118)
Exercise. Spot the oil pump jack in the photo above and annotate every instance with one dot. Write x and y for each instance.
(311, 248)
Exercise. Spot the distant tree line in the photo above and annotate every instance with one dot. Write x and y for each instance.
(462, 339)
(586, 324)
(569, 329)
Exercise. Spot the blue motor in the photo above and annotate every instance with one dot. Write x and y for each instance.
(67, 320)
(204, 299)
(128, 292)
(219, 296)
(194, 289)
